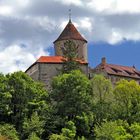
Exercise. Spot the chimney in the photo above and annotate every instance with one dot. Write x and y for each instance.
(103, 61)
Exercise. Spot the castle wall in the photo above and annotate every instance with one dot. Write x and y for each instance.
(82, 48)
(44, 72)
(33, 72)
(47, 72)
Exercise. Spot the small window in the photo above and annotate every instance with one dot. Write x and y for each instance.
(115, 70)
(128, 72)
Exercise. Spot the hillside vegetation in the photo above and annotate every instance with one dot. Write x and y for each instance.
(76, 108)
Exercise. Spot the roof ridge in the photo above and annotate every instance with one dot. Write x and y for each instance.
(121, 65)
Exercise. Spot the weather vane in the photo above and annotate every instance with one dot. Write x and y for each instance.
(69, 14)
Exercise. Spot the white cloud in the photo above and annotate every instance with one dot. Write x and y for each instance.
(71, 2)
(5, 10)
(115, 6)
(15, 58)
(115, 37)
(86, 24)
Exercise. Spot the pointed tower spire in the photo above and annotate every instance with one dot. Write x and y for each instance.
(69, 15)
(70, 32)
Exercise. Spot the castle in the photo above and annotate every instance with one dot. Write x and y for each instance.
(46, 67)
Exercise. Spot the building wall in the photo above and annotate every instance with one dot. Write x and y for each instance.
(82, 48)
(114, 78)
(44, 72)
(33, 72)
(48, 72)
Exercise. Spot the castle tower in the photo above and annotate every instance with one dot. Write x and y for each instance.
(71, 33)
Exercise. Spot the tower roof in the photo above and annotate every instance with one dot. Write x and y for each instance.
(70, 32)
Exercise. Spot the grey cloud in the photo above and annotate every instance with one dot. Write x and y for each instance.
(123, 21)
(19, 27)
(26, 30)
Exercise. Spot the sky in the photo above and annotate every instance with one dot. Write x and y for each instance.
(29, 27)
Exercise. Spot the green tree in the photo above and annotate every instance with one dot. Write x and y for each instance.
(33, 126)
(71, 100)
(102, 98)
(70, 52)
(5, 98)
(84, 125)
(8, 132)
(71, 94)
(33, 136)
(127, 101)
(69, 130)
(58, 137)
(116, 130)
(27, 96)
(67, 133)
(134, 129)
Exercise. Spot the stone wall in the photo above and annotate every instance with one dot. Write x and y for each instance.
(82, 48)
(45, 72)
(33, 72)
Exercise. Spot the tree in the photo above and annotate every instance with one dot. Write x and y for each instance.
(8, 132)
(71, 100)
(127, 101)
(33, 127)
(102, 98)
(71, 94)
(58, 137)
(116, 130)
(84, 125)
(70, 52)
(5, 98)
(33, 136)
(67, 133)
(27, 96)
(135, 131)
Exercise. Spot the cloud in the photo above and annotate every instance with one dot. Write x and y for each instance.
(36, 24)
(5, 10)
(18, 57)
(71, 2)
(115, 6)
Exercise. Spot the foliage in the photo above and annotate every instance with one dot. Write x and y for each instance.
(57, 137)
(84, 124)
(33, 126)
(8, 131)
(112, 131)
(20, 96)
(75, 109)
(135, 131)
(68, 133)
(27, 96)
(102, 97)
(127, 101)
(118, 130)
(71, 94)
(70, 52)
(69, 130)
(33, 136)
(5, 98)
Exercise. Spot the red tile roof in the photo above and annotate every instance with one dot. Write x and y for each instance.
(118, 70)
(55, 59)
(70, 32)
